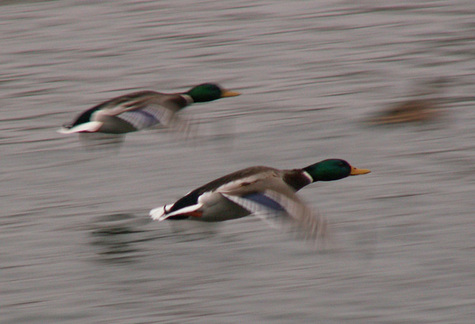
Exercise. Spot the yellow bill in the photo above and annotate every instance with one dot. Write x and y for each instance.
(356, 171)
(229, 93)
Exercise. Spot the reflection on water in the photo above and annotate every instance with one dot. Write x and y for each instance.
(98, 141)
(76, 242)
(116, 237)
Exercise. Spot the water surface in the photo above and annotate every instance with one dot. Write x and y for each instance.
(76, 245)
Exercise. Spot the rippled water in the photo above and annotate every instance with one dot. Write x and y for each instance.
(76, 244)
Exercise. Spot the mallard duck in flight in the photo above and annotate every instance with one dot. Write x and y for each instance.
(264, 191)
(140, 110)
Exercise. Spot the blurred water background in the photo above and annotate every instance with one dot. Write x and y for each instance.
(76, 244)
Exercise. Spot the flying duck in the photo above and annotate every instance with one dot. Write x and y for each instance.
(266, 192)
(142, 109)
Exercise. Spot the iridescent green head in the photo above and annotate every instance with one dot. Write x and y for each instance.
(332, 169)
(209, 92)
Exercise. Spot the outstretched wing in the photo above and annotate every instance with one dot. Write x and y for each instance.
(143, 110)
(268, 197)
(148, 116)
(281, 210)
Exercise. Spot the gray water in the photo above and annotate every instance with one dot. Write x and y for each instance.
(76, 244)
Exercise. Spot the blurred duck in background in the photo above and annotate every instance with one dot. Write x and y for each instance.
(141, 110)
(262, 191)
(423, 106)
